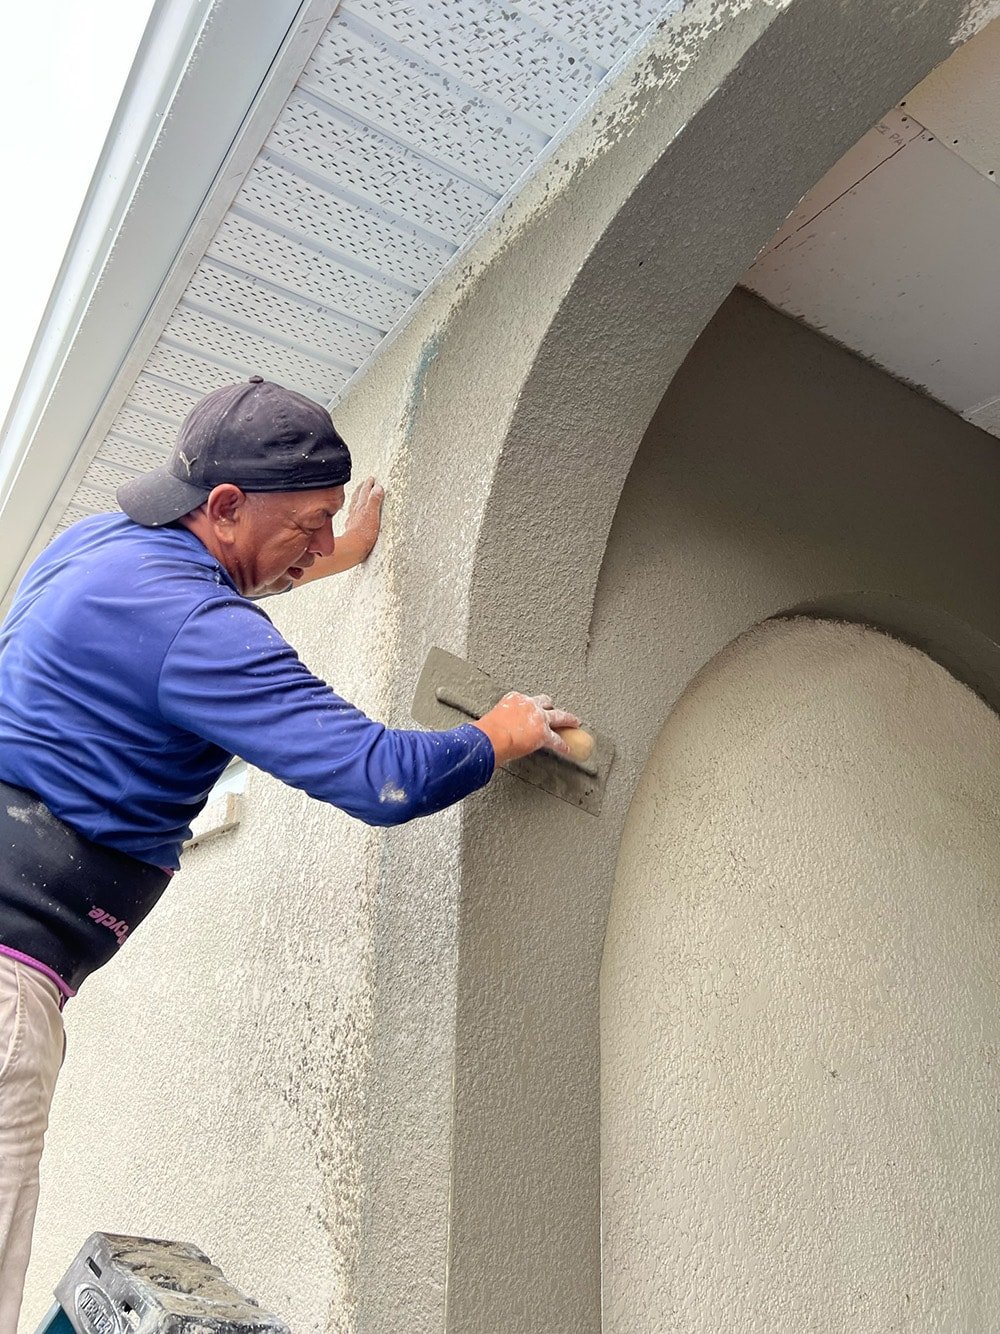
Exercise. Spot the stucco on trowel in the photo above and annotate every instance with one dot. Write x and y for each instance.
(977, 14)
(799, 1018)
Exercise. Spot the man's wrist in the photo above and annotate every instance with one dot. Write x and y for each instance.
(499, 738)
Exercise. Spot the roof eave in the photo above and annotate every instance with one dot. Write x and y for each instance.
(207, 82)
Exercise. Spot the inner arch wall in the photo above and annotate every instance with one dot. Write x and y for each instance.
(798, 1004)
(778, 472)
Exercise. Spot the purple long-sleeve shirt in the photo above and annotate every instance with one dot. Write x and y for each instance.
(131, 670)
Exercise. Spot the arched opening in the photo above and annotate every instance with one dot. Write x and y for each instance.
(779, 471)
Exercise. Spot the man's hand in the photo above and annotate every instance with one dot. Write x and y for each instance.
(522, 724)
(364, 520)
(361, 530)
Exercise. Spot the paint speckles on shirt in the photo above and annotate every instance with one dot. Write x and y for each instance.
(35, 814)
(390, 792)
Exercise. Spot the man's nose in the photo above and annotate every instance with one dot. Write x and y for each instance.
(322, 543)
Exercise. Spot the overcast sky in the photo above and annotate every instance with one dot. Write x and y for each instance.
(63, 65)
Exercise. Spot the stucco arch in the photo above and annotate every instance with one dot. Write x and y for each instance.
(715, 532)
(530, 402)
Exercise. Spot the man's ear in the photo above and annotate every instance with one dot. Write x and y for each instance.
(224, 508)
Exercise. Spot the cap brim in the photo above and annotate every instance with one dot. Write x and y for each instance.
(158, 497)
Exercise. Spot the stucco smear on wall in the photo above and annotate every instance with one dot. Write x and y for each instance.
(681, 34)
(654, 65)
(800, 1021)
(977, 14)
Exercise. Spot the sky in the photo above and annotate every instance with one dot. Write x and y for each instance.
(63, 66)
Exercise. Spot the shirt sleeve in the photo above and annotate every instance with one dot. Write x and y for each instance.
(230, 678)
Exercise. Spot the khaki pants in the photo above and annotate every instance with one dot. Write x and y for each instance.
(31, 1052)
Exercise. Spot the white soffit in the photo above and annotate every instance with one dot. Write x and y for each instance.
(896, 253)
(412, 121)
(209, 76)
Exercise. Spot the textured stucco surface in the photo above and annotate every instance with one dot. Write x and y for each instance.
(800, 1020)
(552, 361)
(778, 472)
(443, 978)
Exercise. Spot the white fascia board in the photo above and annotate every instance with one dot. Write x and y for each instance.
(208, 80)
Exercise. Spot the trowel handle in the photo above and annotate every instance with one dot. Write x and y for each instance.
(580, 743)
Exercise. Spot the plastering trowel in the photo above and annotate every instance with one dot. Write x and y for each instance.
(451, 691)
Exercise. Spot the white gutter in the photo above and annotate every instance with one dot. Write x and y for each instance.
(208, 81)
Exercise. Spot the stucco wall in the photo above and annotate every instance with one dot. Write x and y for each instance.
(800, 1020)
(778, 472)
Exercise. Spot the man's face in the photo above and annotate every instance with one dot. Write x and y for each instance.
(279, 534)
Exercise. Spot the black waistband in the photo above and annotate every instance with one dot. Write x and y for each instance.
(65, 901)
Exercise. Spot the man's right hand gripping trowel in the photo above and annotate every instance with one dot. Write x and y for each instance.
(451, 691)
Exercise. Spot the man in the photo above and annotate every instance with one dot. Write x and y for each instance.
(133, 664)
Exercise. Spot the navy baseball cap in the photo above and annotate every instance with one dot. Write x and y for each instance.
(259, 436)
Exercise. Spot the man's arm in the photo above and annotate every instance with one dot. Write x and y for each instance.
(361, 529)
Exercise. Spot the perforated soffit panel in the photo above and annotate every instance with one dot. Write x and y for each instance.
(410, 123)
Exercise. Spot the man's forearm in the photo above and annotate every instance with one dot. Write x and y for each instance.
(348, 551)
(364, 519)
